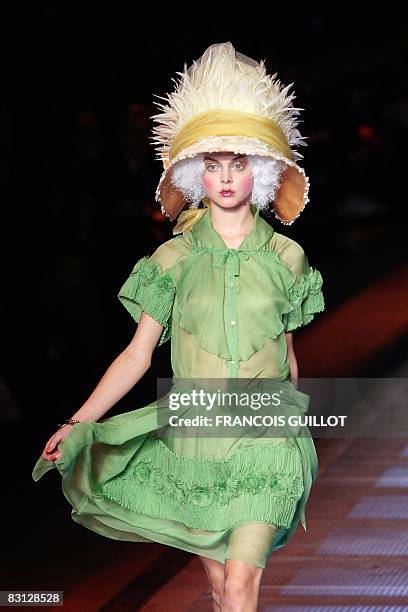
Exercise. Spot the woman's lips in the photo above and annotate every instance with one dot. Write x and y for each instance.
(227, 193)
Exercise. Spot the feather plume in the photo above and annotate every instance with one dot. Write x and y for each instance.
(225, 79)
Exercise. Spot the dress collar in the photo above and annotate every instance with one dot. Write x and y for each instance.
(260, 235)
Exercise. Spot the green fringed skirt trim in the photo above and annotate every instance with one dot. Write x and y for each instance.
(259, 483)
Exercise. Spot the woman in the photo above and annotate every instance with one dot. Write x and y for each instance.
(229, 291)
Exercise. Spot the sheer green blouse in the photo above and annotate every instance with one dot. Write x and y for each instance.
(226, 310)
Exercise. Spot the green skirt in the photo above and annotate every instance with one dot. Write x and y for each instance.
(129, 478)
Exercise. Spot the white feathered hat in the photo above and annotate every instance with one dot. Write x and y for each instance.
(227, 102)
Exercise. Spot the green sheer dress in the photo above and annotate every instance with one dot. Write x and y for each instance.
(226, 312)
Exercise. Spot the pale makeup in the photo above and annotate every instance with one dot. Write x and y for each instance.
(227, 171)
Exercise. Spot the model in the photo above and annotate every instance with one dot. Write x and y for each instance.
(228, 290)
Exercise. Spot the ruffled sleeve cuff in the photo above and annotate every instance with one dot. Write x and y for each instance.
(305, 300)
(150, 290)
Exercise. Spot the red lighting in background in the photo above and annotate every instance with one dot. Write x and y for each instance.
(152, 210)
(138, 115)
(157, 216)
(87, 119)
(366, 132)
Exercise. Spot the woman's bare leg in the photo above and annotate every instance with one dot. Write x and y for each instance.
(215, 573)
(241, 587)
(247, 554)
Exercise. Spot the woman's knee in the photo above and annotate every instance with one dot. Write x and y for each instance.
(241, 581)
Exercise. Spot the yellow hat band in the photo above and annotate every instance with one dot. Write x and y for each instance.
(230, 123)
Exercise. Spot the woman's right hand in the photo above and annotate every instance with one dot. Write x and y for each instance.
(51, 451)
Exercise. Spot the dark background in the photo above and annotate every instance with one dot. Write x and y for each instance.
(78, 177)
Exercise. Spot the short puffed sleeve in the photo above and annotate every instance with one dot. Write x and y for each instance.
(304, 292)
(150, 288)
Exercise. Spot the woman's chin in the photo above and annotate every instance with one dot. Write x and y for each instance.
(228, 201)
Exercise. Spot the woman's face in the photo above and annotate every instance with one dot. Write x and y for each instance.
(227, 171)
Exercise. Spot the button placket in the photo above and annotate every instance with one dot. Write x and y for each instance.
(232, 281)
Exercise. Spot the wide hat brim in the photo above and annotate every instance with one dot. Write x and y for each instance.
(292, 195)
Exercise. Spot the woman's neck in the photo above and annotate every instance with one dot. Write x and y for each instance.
(232, 223)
